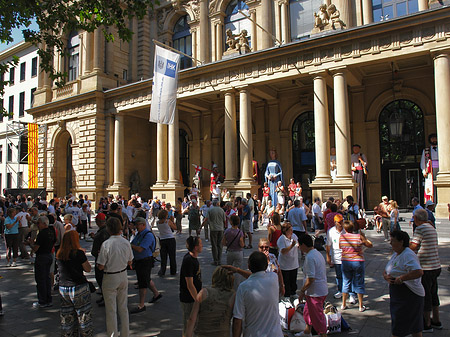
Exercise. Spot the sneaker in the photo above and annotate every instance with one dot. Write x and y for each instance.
(427, 329)
(138, 310)
(338, 295)
(14, 264)
(8, 264)
(437, 325)
(352, 300)
(36, 305)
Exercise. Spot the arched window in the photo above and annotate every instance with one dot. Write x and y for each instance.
(302, 17)
(184, 157)
(182, 41)
(235, 21)
(402, 140)
(303, 150)
(388, 9)
(73, 50)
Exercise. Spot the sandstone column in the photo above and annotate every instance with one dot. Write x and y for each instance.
(230, 138)
(88, 56)
(266, 12)
(219, 40)
(367, 11)
(118, 151)
(321, 128)
(245, 139)
(254, 32)
(174, 151)
(161, 154)
(342, 126)
(284, 21)
(204, 36)
(97, 50)
(423, 5)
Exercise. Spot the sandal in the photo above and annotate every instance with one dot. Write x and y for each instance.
(344, 307)
(363, 308)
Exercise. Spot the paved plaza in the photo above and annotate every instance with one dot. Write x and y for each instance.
(163, 318)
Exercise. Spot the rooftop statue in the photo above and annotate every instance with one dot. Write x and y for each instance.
(328, 18)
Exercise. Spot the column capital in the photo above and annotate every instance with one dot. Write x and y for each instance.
(440, 52)
(243, 88)
(319, 74)
(338, 70)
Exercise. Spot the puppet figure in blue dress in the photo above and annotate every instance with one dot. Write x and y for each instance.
(274, 174)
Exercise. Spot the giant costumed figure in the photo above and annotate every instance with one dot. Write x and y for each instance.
(429, 164)
(274, 174)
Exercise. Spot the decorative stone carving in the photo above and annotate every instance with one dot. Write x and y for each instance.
(328, 18)
(212, 5)
(194, 7)
(161, 18)
(237, 44)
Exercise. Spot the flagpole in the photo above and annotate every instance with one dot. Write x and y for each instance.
(256, 23)
(175, 50)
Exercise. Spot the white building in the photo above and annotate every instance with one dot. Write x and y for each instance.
(15, 147)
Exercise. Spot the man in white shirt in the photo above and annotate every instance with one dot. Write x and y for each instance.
(317, 214)
(23, 232)
(255, 310)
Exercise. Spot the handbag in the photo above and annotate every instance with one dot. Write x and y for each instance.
(361, 223)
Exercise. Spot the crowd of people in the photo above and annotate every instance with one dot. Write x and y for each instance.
(131, 233)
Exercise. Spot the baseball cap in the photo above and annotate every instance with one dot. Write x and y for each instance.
(429, 203)
(100, 216)
(338, 218)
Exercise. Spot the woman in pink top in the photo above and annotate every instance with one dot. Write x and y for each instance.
(292, 187)
(353, 263)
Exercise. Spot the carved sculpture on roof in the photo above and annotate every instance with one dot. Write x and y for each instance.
(161, 18)
(328, 18)
(237, 44)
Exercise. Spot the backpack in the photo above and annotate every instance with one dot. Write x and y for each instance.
(156, 249)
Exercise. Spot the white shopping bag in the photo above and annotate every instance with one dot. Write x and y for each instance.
(297, 322)
(333, 323)
(286, 312)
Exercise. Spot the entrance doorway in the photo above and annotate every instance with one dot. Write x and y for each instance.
(63, 164)
(402, 140)
(303, 151)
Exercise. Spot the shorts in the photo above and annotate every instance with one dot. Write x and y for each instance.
(353, 277)
(430, 284)
(247, 226)
(143, 272)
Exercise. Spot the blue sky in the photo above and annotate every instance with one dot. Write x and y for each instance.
(18, 36)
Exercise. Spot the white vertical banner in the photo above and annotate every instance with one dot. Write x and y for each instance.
(164, 90)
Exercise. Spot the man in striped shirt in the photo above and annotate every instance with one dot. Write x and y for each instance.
(425, 243)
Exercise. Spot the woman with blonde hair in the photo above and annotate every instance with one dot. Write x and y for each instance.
(393, 207)
(68, 223)
(213, 308)
(73, 287)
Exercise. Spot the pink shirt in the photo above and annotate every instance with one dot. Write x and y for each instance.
(351, 246)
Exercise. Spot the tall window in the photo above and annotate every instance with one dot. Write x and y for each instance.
(235, 21)
(388, 9)
(23, 150)
(11, 107)
(1, 153)
(8, 180)
(19, 179)
(12, 73)
(1, 110)
(302, 17)
(73, 49)
(32, 96)
(34, 66)
(184, 157)
(21, 104)
(9, 152)
(182, 41)
(23, 67)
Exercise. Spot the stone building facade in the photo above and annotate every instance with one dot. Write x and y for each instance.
(372, 73)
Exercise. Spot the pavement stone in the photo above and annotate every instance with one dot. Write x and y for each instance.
(18, 290)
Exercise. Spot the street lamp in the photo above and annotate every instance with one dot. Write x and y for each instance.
(396, 122)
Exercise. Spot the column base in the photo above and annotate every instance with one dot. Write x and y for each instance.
(443, 195)
(241, 188)
(339, 189)
(119, 190)
(169, 192)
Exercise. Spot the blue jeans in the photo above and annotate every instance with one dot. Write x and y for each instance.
(42, 266)
(339, 279)
(395, 226)
(353, 276)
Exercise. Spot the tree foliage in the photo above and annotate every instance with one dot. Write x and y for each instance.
(57, 18)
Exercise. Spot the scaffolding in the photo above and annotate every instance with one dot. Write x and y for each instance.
(35, 136)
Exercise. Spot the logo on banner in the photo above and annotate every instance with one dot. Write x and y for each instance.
(166, 67)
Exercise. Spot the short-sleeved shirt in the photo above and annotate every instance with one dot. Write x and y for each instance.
(314, 267)
(45, 240)
(257, 305)
(71, 271)
(23, 223)
(216, 218)
(288, 261)
(101, 236)
(233, 235)
(14, 229)
(296, 217)
(247, 214)
(403, 263)
(333, 236)
(189, 268)
(317, 210)
(329, 221)
(351, 246)
(115, 254)
(146, 240)
(425, 236)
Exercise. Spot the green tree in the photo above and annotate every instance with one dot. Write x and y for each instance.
(57, 18)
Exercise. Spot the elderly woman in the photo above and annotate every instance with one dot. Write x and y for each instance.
(288, 258)
(353, 263)
(213, 307)
(194, 218)
(73, 287)
(281, 192)
(167, 242)
(403, 273)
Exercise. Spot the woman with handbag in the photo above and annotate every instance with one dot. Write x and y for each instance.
(74, 288)
(233, 239)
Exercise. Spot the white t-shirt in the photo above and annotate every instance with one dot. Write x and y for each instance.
(323, 208)
(314, 267)
(333, 242)
(23, 223)
(404, 263)
(288, 261)
(257, 305)
(316, 209)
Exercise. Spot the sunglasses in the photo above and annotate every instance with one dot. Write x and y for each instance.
(264, 247)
